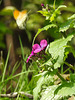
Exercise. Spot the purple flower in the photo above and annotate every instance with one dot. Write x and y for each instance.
(43, 44)
(37, 48)
(42, 5)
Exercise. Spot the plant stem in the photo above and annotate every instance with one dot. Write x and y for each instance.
(54, 4)
(66, 70)
(62, 69)
(69, 65)
(61, 77)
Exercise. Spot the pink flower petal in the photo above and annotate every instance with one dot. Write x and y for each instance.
(42, 4)
(43, 44)
(36, 48)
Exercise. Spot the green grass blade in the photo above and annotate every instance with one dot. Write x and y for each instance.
(6, 64)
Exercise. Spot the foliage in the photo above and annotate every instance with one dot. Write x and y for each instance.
(44, 75)
(56, 52)
(20, 79)
(57, 92)
(57, 49)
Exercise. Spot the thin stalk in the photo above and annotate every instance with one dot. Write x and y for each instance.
(69, 65)
(61, 77)
(20, 90)
(15, 76)
(62, 69)
(54, 4)
(24, 64)
(66, 70)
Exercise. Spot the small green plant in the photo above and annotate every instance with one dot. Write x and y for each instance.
(51, 62)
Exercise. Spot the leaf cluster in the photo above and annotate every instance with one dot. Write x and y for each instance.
(56, 54)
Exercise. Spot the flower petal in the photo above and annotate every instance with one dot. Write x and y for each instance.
(36, 48)
(42, 5)
(43, 44)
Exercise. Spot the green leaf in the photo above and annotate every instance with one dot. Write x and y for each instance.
(66, 89)
(52, 18)
(58, 92)
(44, 28)
(46, 79)
(38, 88)
(48, 26)
(48, 94)
(72, 17)
(73, 24)
(61, 6)
(57, 11)
(57, 49)
(44, 13)
(68, 24)
(72, 77)
(7, 10)
(65, 26)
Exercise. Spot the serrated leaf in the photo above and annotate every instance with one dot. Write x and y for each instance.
(48, 94)
(66, 89)
(58, 92)
(65, 26)
(45, 79)
(43, 29)
(68, 24)
(37, 88)
(48, 80)
(57, 49)
(47, 27)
